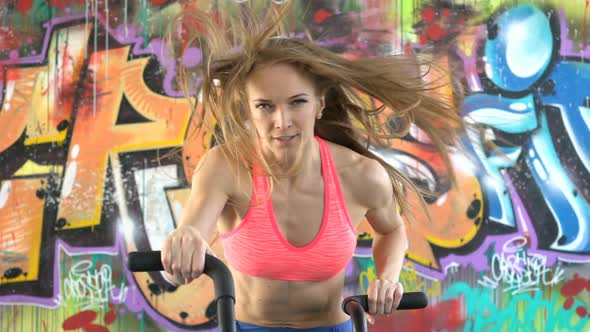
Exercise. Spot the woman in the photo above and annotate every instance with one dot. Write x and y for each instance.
(292, 175)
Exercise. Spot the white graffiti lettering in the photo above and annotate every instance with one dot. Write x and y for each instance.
(520, 271)
(92, 288)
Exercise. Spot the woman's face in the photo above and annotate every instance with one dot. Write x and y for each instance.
(284, 107)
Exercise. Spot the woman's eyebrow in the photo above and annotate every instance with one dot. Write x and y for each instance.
(295, 96)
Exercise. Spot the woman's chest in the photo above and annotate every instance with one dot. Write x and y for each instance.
(299, 211)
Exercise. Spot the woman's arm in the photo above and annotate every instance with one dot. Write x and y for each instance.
(389, 240)
(183, 251)
(211, 186)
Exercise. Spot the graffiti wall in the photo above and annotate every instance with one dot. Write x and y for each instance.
(96, 144)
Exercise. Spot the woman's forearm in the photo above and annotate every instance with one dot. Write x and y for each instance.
(388, 253)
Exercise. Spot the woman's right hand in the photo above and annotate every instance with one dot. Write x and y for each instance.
(183, 255)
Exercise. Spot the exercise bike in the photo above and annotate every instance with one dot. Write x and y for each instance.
(354, 306)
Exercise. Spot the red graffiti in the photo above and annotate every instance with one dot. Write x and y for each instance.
(321, 15)
(423, 39)
(571, 289)
(84, 320)
(8, 38)
(447, 315)
(434, 32)
(159, 2)
(9, 75)
(23, 6)
(110, 317)
(428, 15)
(439, 22)
(81, 320)
(191, 24)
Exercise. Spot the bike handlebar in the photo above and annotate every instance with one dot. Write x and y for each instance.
(354, 306)
(214, 268)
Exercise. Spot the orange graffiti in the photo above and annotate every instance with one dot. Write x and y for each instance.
(97, 137)
(38, 100)
(21, 225)
(457, 213)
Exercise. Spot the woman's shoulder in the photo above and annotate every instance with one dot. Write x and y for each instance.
(346, 159)
(366, 177)
(214, 160)
(219, 157)
(221, 168)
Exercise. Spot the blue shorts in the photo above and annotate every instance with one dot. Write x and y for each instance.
(245, 327)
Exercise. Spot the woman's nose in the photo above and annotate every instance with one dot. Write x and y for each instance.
(282, 118)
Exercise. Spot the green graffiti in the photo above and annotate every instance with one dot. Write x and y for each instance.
(522, 312)
(367, 272)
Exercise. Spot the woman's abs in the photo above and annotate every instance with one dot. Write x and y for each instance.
(299, 304)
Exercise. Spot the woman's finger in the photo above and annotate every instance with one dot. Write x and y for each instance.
(389, 299)
(186, 258)
(166, 257)
(370, 318)
(176, 259)
(372, 295)
(397, 296)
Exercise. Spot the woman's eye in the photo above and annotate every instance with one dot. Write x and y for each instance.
(298, 101)
(263, 106)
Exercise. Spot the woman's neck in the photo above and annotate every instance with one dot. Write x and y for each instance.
(293, 169)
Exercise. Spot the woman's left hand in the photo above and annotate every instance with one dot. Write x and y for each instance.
(384, 297)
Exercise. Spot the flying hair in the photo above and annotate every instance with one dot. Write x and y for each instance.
(369, 102)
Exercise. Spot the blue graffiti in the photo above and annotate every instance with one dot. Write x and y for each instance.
(529, 80)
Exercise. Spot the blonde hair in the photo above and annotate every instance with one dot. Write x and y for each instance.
(236, 45)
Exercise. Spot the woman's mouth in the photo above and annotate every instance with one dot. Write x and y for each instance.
(285, 139)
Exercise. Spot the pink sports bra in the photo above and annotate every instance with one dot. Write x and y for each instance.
(256, 247)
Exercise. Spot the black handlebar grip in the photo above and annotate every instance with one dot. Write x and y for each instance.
(413, 300)
(145, 261)
(410, 300)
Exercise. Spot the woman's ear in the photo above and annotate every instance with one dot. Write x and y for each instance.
(322, 105)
